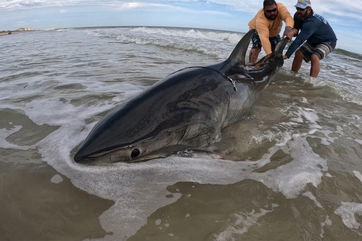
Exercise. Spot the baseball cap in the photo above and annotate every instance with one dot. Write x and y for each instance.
(303, 4)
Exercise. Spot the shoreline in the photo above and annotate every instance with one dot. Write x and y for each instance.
(351, 53)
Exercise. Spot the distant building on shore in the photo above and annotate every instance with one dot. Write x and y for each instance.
(5, 32)
(23, 29)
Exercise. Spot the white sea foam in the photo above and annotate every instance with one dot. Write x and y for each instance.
(304, 100)
(291, 178)
(315, 81)
(327, 222)
(158, 222)
(268, 135)
(347, 212)
(192, 33)
(301, 115)
(4, 133)
(56, 179)
(187, 39)
(242, 222)
(343, 77)
(358, 175)
(328, 175)
(358, 141)
(313, 198)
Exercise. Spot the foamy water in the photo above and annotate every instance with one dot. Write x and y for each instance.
(296, 159)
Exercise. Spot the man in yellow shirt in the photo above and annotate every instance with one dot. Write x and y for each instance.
(268, 23)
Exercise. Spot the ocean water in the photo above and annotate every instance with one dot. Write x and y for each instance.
(291, 170)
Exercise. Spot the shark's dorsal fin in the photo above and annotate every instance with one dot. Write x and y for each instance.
(239, 52)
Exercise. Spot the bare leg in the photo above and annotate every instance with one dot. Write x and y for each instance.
(297, 62)
(315, 68)
(254, 53)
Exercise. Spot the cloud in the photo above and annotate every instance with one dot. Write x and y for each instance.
(351, 8)
(176, 5)
(336, 8)
(140, 5)
(124, 6)
(132, 5)
(340, 8)
(247, 6)
(62, 11)
(28, 4)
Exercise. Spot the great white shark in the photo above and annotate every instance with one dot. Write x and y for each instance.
(187, 110)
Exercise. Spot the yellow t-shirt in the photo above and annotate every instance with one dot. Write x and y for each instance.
(267, 28)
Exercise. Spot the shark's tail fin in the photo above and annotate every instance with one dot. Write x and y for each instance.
(280, 47)
(278, 52)
(237, 57)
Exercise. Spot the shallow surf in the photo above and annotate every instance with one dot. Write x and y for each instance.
(294, 171)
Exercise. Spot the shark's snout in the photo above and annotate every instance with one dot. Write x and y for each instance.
(81, 156)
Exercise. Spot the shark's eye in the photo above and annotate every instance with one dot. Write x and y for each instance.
(135, 153)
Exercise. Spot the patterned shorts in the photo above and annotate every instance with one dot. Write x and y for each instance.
(321, 50)
(257, 43)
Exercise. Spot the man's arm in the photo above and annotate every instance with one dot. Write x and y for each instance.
(285, 16)
(263, 32)
(307, 31)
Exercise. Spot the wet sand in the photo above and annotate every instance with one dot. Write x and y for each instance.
(39, 204)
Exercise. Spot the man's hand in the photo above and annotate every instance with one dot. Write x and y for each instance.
(289, 32)
(268, 56)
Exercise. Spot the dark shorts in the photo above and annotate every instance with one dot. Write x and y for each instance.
(321, 50)
(257, 43)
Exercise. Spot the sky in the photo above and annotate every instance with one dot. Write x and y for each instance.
(345, 16)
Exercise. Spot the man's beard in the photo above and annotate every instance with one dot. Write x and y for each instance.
(272, 17)
(304, 15)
